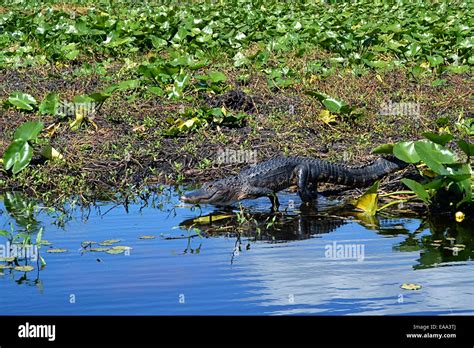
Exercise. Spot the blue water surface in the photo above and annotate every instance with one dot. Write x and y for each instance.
(207, 275)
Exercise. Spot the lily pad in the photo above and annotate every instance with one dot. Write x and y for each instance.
(109, 242)
(409, 286)
(115, 251)
(24, 268)
(147, 237)
(7, 259)
(5, 267)
(56, 251)
(97, 250)
(121, 247)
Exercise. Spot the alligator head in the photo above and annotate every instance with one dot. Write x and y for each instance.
(220, 192)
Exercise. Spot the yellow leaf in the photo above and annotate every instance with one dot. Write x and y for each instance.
(368, 201)
(78, 120)
(407, 286)
(210, 218)
(327, 117)
(94, 124)
(378, 77)
(370, 222)
(50, 153)
(51, 129)
(429, 173)
(425, 65)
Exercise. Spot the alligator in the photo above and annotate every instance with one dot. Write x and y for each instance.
(269, 177)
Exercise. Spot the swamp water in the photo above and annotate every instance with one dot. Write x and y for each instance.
(161, 257)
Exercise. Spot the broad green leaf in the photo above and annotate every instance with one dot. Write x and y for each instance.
(217, 77)
(99, 97)
(28, 130)
(50, 104)
(438, 82)
(435, 184)
(317, 95)
(22, 101)
(406, 152)
(435, 60)
(437, 138)
(17, 156)
(467, 147)
(466, 188)
(71, 55)
(459, 171)
(240, 59)
(333, 105)
(384, 149)
(82, 99)
(418, 189)
(157, 42)
(435, 156)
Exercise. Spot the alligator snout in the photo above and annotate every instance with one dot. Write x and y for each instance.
(194, 197)
(183, 199)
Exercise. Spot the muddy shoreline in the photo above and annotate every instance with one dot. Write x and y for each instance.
(128, 150)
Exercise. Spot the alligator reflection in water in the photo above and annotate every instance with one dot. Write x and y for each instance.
(277, 227)
(438, 241)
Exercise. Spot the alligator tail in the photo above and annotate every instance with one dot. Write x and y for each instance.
(361, 175)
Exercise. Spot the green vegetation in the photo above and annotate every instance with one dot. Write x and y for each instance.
(18, 155)
(445, 182)
(357, 33)
(138, 94)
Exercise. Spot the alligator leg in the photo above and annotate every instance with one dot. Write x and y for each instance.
(313, 190)
(303, 177)
(275, 203)
(255, 192)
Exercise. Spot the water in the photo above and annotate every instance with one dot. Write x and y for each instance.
(291, 266)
